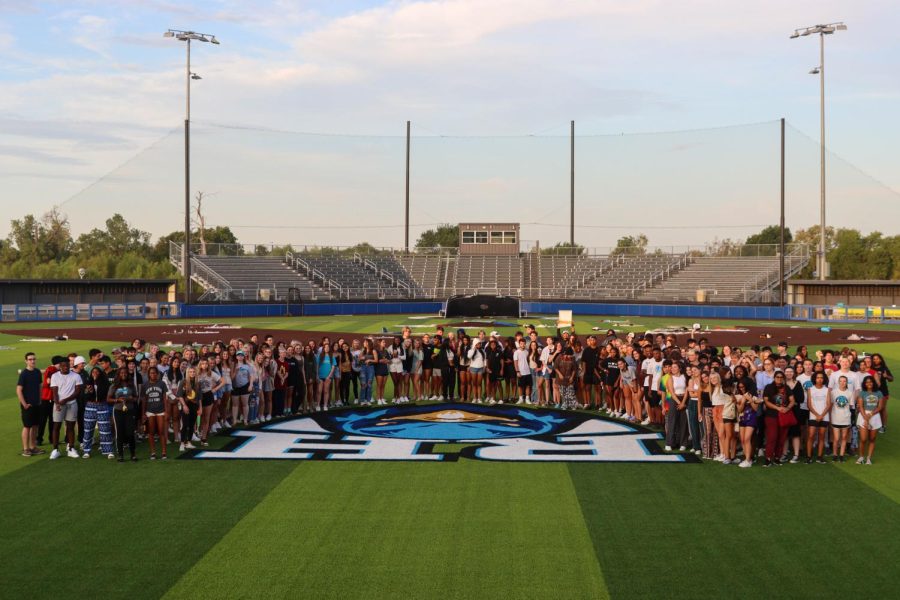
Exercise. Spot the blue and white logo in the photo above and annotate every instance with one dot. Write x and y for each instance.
(422, 433)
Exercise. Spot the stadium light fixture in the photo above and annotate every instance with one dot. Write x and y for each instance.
(187, 37)
(822, 30)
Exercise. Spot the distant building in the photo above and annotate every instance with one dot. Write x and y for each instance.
(495, 239)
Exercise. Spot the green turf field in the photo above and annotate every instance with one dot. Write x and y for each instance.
(466, 529)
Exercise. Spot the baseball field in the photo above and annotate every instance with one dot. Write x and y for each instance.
(464, 526)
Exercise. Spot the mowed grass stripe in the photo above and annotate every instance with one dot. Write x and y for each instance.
(788, 532)
(98, 529)
(390, 530)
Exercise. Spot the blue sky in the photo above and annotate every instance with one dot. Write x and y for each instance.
(89, 86)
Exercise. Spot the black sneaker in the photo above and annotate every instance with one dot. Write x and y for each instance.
(836, 458)
(842, 459)
(134, 459)
(777, 462)
(809, 461)
(820, 460)
(768, 463)
(120, 459)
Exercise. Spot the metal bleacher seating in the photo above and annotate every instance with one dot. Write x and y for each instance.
(627, 276)
(353, 279)
(496, 273)
(721, 279)
(255, 278)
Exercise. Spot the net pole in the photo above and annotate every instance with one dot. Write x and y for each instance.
(406, 222)
(572, 184)
(781, 241)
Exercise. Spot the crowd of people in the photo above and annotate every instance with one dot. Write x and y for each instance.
(730, 404)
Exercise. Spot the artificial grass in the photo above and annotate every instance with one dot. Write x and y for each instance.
(468, 529)
(361, 530)
(719, 531)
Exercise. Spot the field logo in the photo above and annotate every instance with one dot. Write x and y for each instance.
(423, 433)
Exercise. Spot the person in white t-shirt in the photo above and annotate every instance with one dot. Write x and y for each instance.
(66, 387)
(523, 373)
(651, 371)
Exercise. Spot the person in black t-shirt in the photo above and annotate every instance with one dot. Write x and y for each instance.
(590, 357)
(28, 390)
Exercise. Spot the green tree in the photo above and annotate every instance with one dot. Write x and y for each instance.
(765, 243)
(219, 241)
(631, 245)
(117, 239)
(444, 236)
(855, 256)
(564, 248)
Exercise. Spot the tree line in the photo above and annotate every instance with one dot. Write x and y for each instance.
(44, 248)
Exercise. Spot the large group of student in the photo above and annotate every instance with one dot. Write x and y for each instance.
(730, 404)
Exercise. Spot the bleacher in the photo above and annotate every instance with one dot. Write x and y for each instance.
(354, 279)
(624, 277)
(725, 279)
(255, 278)
(480, 273)
(655, 277)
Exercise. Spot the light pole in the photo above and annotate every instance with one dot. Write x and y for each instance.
(822, 30)
(187, 36)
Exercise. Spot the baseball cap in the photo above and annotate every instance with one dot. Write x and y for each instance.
(239, 353)
(495, 333)
(79, 360)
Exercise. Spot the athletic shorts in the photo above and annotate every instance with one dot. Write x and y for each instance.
(509, 372)
(381, 370)
(590, 378)
(653, 399)
(729, 420)
(31, 416)
(241, 390)
(436, 373)
(524, 381)
(476, 370)
(207, 399)
(462, 368)
(494, 376)
(67, 412)
(874, 422)
(840, 426)
(813, 423)
(802, 416)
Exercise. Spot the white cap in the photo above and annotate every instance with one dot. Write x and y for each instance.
(495, 333)
(79, 360)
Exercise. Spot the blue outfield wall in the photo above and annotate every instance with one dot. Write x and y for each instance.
(690, 311)
(215, 311)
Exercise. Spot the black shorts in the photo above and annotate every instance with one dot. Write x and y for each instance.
(732, 421)
(509, 372)
(653, 399)
(814, 423)
(590, 378)
(524, 381)
(207, 399)
(840, 426)
(240, 390)
(462, 368)
(494, 376)
(802, 416)
(31, 416)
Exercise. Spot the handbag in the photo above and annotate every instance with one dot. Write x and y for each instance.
(787, 419)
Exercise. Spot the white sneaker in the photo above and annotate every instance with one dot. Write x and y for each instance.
(491, 401)
(55, 454)
(181, 447)
(645, 422)
(520, 401)
(499, 401)
(72, 453)
(745, 464)
(189, 446)
(110, 456)
(86, 455)
(668, 448)
(726, 461)
(440, 398)
(195, 438)
(682, 448)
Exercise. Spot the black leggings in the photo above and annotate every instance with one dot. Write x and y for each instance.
(354, 377)
(345, 387)
(188, 422)
(448, 381)
(124, 431)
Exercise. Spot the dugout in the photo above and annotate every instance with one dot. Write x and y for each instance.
(86, 291)
(483, 305)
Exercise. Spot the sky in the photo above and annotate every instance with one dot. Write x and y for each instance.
(299, 118)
